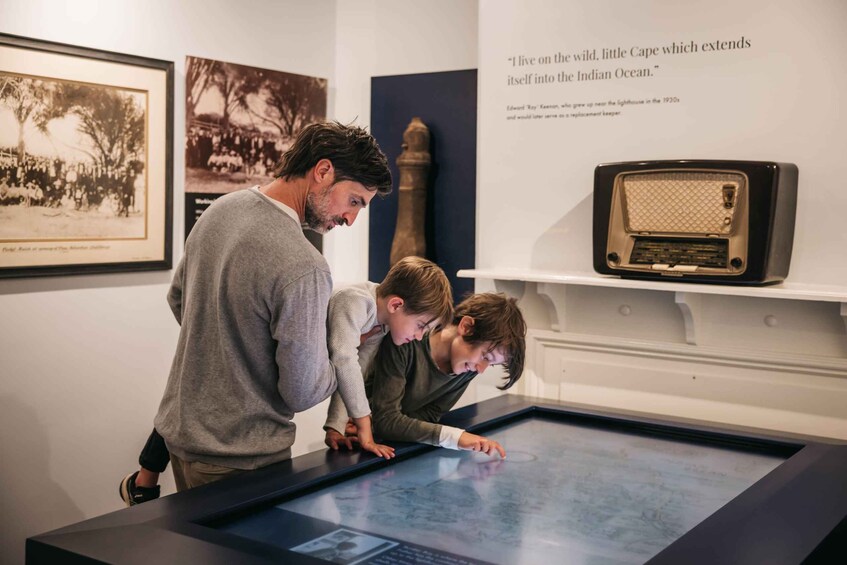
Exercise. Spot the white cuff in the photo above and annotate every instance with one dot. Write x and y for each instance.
(449, 437)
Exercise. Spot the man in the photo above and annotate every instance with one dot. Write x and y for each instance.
(251, 294)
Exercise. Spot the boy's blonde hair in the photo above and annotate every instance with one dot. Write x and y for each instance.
(422, 285)
(497, 319)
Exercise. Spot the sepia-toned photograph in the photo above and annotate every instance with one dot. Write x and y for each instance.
(239, 121)
(76, 152)
(72, 160)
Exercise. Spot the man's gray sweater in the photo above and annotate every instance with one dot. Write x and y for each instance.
(250, 294)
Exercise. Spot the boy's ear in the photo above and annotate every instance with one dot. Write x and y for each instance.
(394, 304)
(466, 326)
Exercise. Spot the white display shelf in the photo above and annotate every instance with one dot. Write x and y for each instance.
(688, 296)
(787, 290)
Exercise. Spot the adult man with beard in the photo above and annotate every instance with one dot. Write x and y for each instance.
(251, 295)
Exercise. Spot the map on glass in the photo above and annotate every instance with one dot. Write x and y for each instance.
(564, 494)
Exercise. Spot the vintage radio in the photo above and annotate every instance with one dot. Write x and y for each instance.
(729, 222)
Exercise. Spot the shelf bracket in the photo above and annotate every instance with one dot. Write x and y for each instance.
(511, 288)
(554, 297)
(691, 306)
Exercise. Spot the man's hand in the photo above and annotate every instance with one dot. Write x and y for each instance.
(334, 440)
(350, 429)
(471, 442)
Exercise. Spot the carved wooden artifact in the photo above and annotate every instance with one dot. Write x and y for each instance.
(413, 162)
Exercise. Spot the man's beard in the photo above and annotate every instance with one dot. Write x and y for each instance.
(316, 215)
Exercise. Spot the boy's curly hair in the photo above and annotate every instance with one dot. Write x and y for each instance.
(497, 319)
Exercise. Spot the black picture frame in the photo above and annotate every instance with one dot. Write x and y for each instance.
(795, 514)
(116, 208)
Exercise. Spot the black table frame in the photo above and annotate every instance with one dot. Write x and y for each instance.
(795, 514)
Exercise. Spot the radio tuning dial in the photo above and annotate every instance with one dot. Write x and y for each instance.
(729, 195)
(736, 262)
(613, 258)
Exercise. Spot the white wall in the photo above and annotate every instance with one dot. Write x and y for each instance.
(383, 38)
(768, 360)
(83, 360)
(775, 100)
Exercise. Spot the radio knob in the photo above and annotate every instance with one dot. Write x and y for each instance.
(613, 258)
(736, 262)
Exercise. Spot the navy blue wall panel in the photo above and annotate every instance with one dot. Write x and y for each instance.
(446, 103)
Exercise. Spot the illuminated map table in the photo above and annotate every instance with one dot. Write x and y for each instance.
(577, 486)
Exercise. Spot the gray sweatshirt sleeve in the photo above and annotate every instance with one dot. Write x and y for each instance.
(298, 324)
(336, 416)
(349, 313)
(175, 292)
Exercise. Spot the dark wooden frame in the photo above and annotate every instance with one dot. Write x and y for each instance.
(165, 155)
(795, 514)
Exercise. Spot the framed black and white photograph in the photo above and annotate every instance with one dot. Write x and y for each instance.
(239, 120)
(86, 160)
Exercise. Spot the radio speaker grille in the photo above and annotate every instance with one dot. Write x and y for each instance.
(681, 202)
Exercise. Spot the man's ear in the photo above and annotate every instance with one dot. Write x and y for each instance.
(465, 326)
(324, 172)
(394, 304)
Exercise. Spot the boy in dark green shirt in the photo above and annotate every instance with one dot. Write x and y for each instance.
(414, 384)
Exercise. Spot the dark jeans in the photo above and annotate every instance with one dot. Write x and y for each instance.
(155, 456)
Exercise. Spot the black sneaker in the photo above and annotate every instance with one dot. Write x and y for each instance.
(133, 494)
